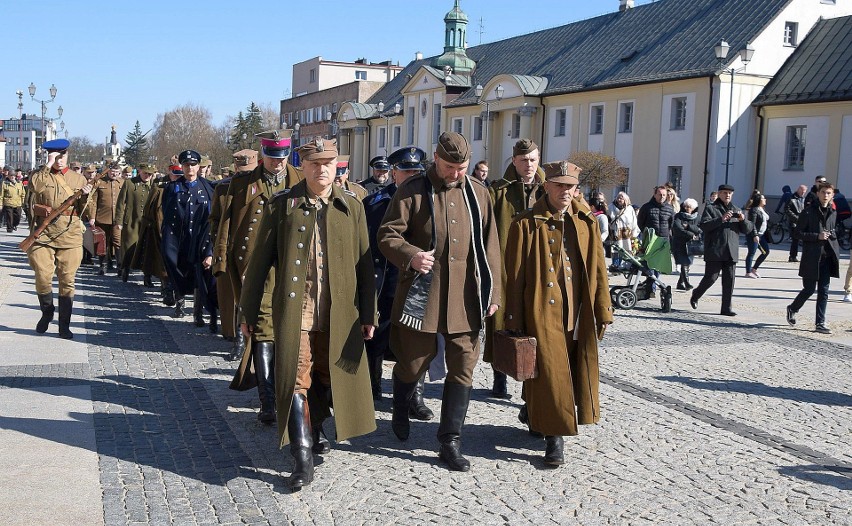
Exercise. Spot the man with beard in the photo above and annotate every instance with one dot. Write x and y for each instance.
(131, 204)
(186, 245)
(102, 208)
(380, 177)
(520, 187)
(236, 240)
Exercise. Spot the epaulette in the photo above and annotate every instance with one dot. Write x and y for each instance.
(349, 193)
(280, 193)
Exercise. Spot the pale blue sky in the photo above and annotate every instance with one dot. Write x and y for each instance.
(116, 62)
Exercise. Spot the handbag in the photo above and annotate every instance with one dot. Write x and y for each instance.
(625, 233)
(515, 355)
(695, 247)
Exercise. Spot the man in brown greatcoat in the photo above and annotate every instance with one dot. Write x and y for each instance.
(520, 187)
(131, 205)
(439, 231)
(247, 198)
(102, 207)
(556, 270)
(324, 306)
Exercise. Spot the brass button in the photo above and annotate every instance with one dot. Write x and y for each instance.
(551, 269)
(551, 241)
(292, 294)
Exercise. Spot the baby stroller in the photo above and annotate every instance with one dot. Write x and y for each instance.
(654, 254)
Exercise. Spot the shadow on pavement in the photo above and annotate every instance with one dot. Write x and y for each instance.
(808, 396)
(838, 476)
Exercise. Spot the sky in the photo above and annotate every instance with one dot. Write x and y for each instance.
(122, 61)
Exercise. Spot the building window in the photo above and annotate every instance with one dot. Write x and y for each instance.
(436, 123)
(624, 185)
(411, 111)
(675, 174)
(791, 33)
(559, 125)
(795, 151)
(383, 133)
(516, 125)
(313, 75)
(397, 134)
(458, 126)
(334, 108)
(679, 113)
(625, 117)
(360, 74)
(26, 141)
(596, 119)
(477, 128)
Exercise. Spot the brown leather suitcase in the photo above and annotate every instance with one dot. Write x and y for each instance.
(515, 355)
(94, 241)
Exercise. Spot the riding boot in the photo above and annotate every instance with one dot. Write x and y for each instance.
(110, 264)
(375, 363)
(321, 444)
(197, 309)
(180, 304)
(402, 393)
(681, 280)
(66, 305)
(214, 321)
(416, 408)
(500, 388)
(263, 354)
(45, 301)
(239, 345)
(101, 265)
(553, 451)
(453, 411)
(146, 281)
(685, 271)
(301, 442)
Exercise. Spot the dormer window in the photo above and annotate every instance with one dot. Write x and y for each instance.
(791, 34)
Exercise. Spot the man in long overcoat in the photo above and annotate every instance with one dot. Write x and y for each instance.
(323, 306)
(556, 270)
(128, 212)
(439, 231)
(520, 187)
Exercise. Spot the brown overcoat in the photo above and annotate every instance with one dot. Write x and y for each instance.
(129, 209)
(104, 201)
(224, 291)
(565, 392)
(147, 257)
(283, 243)
(453, 304)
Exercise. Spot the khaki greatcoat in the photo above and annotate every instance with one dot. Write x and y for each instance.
(407, 230)
(536, 308)
(104, 201)
(283, 243)
(224, 290)
(128, 213)
(147, 256)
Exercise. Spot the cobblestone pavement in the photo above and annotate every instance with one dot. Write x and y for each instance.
(704, 421)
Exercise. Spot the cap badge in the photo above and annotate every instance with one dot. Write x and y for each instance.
(563, 166)
(320, 144)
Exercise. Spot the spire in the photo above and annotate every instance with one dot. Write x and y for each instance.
(455, 43)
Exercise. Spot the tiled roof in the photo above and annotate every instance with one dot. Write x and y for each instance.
(820, 70)
(661, 41)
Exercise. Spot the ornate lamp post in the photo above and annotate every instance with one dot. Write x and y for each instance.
(498, 96)
(721, 50)
(388, 116)
(52, 90)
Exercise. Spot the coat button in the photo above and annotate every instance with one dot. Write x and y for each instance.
(319, 254)
(509, 317)
(375, 261)
(321, 267)
(245, 238)
(259, 211)
(306, 213)
(254, 220)
(551, 227)
(320, 280)
(300, 245)
(243, 247)
(250, 229)
(455, 240)
(552, 241)
(301, 229)
(454, 221)
(452, 258)
(552, 302)
(550, 284)
(551, 269)
(292, 294)
(452, 204)
(240, 258)
(298, 262)
(295, 278)
(261, 202)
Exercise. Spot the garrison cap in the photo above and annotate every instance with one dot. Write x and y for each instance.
(726, 187)
(380, 162)
(91, 168)
(318, 149)
(453, 148)
(127, 169)
(76, 166)
(56, 145)
(147, 168)
(275, 143)
(523, 147)
(205, 161)
(408, 158)
(189, 156)
(562, 172)
(245, 160)
(342, 165)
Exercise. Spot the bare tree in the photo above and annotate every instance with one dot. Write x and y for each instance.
(271, 116)
(84, 151)
(187, 127)
(599, 170)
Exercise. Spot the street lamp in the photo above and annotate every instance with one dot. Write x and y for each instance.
(295, 145)
(721, 50)
(498, 96)
(388, 116)
(52, 90)
(332, 125)
(20, 149)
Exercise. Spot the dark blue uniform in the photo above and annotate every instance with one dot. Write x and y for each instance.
(386, 274)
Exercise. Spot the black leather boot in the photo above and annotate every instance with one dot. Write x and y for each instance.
(321, 444)
(66, 305)
(197, 310)
(146, 281)
(110, 265)
(239, 346)
(263, 354)
(168, 292)
(214, 322)
(553, 451)
(180, 304)
(45, 301)
(101, 265)
(453, 411)
(375, 363)
(685, 271)
(416, 408)
(500, 388)
(402, 393)
(125, 273)
(301, 441)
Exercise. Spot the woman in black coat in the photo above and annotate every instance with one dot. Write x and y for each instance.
(756, 239)
(684, 229)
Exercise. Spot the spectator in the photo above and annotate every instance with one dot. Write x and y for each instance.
(812, 195)
(623, 225)
(685, 229)
(793, 209)
(756, 239)
(672, 198)
(657, 214)
(480, 173)
(786, 195)
(600, 211)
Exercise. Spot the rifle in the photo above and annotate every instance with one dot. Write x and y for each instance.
(28, 242)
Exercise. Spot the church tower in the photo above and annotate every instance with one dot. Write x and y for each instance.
(455, 43)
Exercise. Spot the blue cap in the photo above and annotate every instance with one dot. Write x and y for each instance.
(56, 145)
(408, 158)
(379, 162)
(188, 156)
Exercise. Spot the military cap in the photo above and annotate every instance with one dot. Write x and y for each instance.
(342, 165)
(562, 172)
(205, 161)
(453, 148)
(380, 162)
(245, 160)
(56, 145)
(175, 169)
(318, 149)
(408, 158)
(127, 169)
(189, 156)
(76, 166)
(113, 165)
(91, 168)
(726, 187)
(147, 168)
(223, 170)
(523, 147)
(275, 143)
